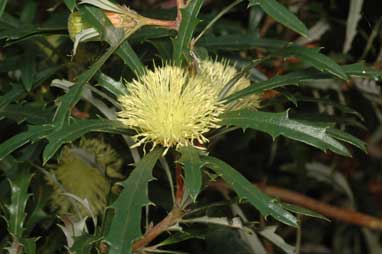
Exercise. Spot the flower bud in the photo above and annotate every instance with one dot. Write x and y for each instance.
(76, 25)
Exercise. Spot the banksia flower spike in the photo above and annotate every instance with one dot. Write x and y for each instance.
(170, 107)
(84, 172)
(219, 73)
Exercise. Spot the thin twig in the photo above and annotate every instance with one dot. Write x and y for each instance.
(337, 213)
(341, 214)
(171, 219)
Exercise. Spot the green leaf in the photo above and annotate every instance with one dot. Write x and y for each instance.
(361, 70)
(69, 100)
(303, 211)
(282, 15)
(101, 23)
(77, 129)
(293, 78)
(117, 88)
(240, 42)
(32, 134)
(19, 197)
(33, 114)
(186, 29)
(11, 95)
(247, 191)
(3, 4)
(70, 4)
(29, 245)
(83, 244)
(346, 137)
(190, 158)
(277, 124)
(316, 59)
(126, 224)
(180, 237)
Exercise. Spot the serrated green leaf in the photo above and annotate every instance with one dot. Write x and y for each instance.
(32, 114)
(186, 29)
(282, 15)
(29, 245)
(19, 197)
(277, 124)
(316, 59)
(126, 224)
(32, 134)
(303, 211)
(247, 191)
(83, 244)
(77, 129)
(190, 158)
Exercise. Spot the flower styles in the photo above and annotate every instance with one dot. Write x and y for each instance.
(220, 73)
(170, 107)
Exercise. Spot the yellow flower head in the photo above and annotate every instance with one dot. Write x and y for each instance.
(170, 107)
(220, 73)
(82, 172)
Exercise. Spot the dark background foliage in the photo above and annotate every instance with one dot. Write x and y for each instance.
(284, 163)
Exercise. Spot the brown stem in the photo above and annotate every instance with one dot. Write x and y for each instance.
(170, 24)
(337, 213)
(179, 5)
(171, 219)
(341, 214)
(179, 185)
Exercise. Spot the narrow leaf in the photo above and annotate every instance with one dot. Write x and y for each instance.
(190, 158)
(126, 224)
(303, 211)
(240, 42)
(189, 22)
(77, 129)
(247, 191)
(19, 197)
(282, 15)
(32, 134)
(316, 59)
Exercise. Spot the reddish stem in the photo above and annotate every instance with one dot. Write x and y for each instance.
(179, 185)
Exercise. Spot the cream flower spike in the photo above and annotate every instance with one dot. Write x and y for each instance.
(220, 73)
(82, 172)
(170, 107)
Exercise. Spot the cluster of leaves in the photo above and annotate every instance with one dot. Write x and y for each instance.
(38, 119)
